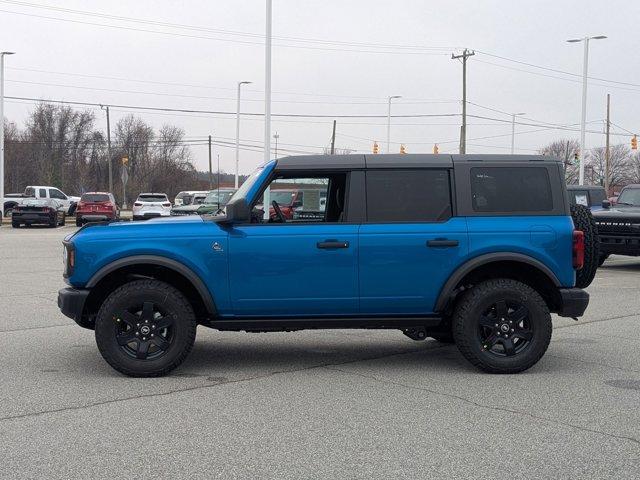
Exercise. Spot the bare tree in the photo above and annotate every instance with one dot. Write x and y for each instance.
(619, 165)
(565, 150)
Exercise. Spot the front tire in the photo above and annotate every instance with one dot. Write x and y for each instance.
(15, 224)
(79, 222)
(145, 328)
(502, 326)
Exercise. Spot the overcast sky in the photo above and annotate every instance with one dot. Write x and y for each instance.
(333, 57)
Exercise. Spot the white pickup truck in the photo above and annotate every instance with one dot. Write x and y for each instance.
(40, 191)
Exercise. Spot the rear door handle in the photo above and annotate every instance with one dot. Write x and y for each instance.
(442, 243)
(329, 244)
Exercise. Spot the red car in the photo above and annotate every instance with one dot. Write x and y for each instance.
(96, 207)
(287, 200)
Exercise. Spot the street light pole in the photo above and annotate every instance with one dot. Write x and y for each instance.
(389, 121)
(513, 131)
(2, 55)
(238, 132)
(583, 117)
(266, 195)
(276, 137)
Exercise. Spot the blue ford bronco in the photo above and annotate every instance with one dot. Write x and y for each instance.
(472, 249)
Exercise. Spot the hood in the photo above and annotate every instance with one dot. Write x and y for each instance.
(617, 212)
(186, 208)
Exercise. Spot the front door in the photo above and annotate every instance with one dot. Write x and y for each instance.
(302, 262)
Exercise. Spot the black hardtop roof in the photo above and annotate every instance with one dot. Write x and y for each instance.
(585, 187)
(359, 161)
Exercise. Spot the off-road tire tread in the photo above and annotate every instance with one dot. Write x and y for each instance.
(583, 220)
(465, 308)
(169, 291)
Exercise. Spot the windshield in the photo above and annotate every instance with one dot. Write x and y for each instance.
(94, 197)
(630, 196)
(216, 197)
(248, 183)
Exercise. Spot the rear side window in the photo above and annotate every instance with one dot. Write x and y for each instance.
(42, 192)
(521, 189)
(95, 197)
(579, 197)
(408, 196)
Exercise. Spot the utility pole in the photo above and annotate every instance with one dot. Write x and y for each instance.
(513, 131)
(389, 122)
(333, 139)
(218, 186)
(210, 172)
(238, 130)
(463, 128)
(606, 150)
(109, 159)
(276, 137)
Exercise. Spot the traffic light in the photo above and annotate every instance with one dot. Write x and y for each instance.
(376, 149)
(576, 154)
(435, 148)
(125, 161)
(403, 149)
(634, 142)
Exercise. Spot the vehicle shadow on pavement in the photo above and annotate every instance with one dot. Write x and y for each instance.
(622, 266)
(212, 358)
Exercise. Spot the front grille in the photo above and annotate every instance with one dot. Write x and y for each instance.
(618, 227)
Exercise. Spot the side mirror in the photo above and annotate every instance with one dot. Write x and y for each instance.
(606, 204)
(237, 212)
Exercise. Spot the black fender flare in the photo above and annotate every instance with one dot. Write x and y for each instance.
(470, 265)
(178, 267)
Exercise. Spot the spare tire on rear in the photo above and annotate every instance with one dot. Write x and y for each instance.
(583, 220)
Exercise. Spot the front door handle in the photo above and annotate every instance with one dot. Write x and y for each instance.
(330, 244)
(442, 243)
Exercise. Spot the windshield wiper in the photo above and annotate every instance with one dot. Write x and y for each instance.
(625, 203)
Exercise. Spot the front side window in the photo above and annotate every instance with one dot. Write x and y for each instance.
(597, 197)
(408, 196)
(303, 199)
(55, 193)
(511, 189)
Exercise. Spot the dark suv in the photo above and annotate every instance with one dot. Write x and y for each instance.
(619, 226)
(476, 249)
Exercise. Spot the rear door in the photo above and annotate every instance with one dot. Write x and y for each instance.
(410, 243)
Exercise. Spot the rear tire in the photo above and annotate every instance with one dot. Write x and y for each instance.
(583, 220)
(523, 330)
(78, 222)
(603, 257)
(145, 328)
(63, 221)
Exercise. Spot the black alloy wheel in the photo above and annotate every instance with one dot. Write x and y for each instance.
(145, 331)
(502, 325)
(145, 328)
(504, 329)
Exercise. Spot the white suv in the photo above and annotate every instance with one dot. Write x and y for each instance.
(150, 205)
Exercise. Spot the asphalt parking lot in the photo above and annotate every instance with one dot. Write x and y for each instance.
(314, 404)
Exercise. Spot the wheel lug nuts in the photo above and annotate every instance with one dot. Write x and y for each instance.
(144, 338)
(510, 321)
(137, 324)
(152, 334)
(137, 333)
(512, 330)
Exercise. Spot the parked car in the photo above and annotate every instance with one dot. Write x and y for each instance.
(149, 205)
(476, 249)
(192, 207)
(38, 211)
(96, 207)
(215, 201)
(590, 196)
(36, 191)
(186, 197)
(619, 225)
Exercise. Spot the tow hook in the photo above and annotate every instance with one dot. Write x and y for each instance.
(415, 333)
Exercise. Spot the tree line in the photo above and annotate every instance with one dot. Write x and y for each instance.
(61, 146)
(624, 163)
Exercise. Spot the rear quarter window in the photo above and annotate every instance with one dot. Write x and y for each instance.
(511, 189)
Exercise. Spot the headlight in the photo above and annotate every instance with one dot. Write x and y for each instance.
(68, 259)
